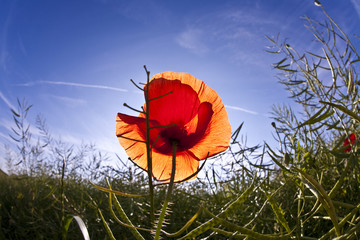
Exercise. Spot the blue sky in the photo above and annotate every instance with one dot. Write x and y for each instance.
(73, 59)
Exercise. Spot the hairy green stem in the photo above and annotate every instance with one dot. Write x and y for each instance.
(148, 149)
(169, 192)
(62, 200)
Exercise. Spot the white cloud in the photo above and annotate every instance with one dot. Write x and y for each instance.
(29, 84)
(241, 109)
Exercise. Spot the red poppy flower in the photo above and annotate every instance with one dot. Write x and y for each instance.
(200, 126)
(352, 138)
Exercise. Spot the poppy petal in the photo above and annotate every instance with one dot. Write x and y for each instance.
(131, 132)
(198, 125)
(216, 138)
(186, 165)
(173, 102)
(352, 139)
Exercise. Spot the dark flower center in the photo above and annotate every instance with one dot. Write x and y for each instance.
(178, 135)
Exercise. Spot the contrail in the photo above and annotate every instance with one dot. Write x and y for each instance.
(241, 109)
(6, 101)
(75, 85)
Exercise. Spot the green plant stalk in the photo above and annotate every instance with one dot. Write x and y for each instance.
(333, 191)
(186, 226)
(122, 213)
(342, 109)
(325, 200)
(148, 149)
(229, 209)
(109, 190)
(108, 230)
(230, 235)
(117, 205)
(336, 203)
(342, 32)
(246, 231)
(169, 192)
(279, 213)
(341, 180)
(341, 223)
(298, 217)
(62, 201)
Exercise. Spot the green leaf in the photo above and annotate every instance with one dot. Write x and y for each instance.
(280, 62)
(236, 133)
(280, 215)
(318, 117)
(343, 109)
(274, 157)
(356, 60)
(80, 223)
(315, 55)
(15, 113)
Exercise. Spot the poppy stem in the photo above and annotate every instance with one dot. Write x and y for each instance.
(164, 126)
(149, 149)
(169, 192)
(135, 140)
(160, 96)
(134, 109)
(136, 85)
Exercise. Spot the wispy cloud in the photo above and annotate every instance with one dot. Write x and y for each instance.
(5, 123)
(29, 84)
(356, 4)
(70, 102)
(192, 39)
(7, 102)
(241, 109)
(4, 38)
(142, 11)
(6, 136)
(234, 33)
(22, 46)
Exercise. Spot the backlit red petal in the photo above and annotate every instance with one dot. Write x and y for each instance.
(178, 107)
(131, 132)
(217, 135)
(352, 139)
(186, 165)
(201, 122)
